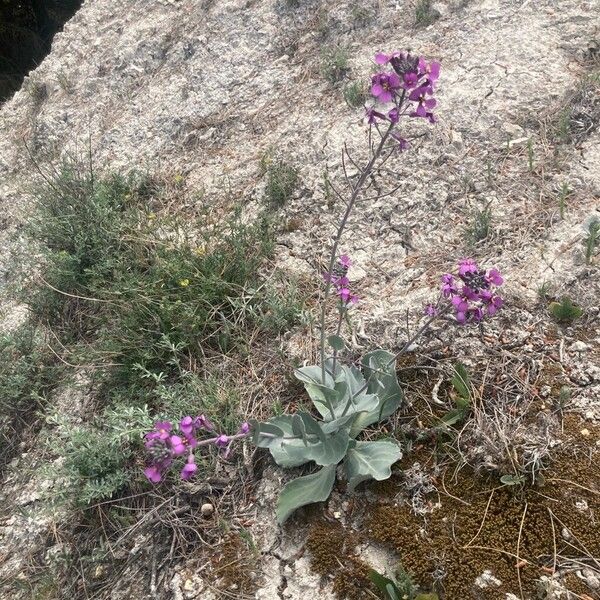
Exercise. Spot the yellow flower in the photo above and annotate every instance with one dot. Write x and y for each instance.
(184, 282)
(151, 216)
(200, 251)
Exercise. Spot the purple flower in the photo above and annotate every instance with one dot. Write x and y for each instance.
(448, 287)
(187, 425)
(347, 297)
(493, 276)
(178, 445)
(382, 59)
(431, 70)
(372, 115)
(345, 261)
(424, 104)
(394, 115)
(467, 266)
(160, 432)
(402, 143)
(222, 441)
(189, 468)
(153, 474)
(245, 428)
(384, 86)
(430, 310)
(410, 80)
(202, 422)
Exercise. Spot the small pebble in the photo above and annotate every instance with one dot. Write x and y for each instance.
(207, 509)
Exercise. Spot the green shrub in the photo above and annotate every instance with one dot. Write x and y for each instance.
(355, 94)
(98, 457)
(334, 63)
(143, 291)
(425, 14)
(282, 181)
(27, 375)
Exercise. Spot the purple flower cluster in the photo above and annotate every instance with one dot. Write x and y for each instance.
(164, 445)
(339, 279)
(472, 291)
(411, 78)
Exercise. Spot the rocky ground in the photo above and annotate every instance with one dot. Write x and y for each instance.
(205, 89)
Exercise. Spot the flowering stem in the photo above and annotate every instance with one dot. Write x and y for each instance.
(231, 438)
(366, 171)
(337, 333)
(402, 350)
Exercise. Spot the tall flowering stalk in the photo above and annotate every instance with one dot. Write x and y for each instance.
(403, 87)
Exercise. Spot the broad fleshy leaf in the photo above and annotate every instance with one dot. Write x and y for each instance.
(380, 372)
(260, 429)
(305, 490)
(324, 449)
(370, 460)
(336, 342)
(323, 393)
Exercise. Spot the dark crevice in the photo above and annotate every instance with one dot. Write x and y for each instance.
(26, 31)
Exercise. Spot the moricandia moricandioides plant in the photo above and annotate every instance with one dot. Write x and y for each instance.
(346, 398)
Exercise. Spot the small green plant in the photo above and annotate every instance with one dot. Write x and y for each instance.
(592, 239)
(400, 587)
(565, 311)
(360, 14)
(347, 401)
(97, 458)
(563, 125)
(425, 14)
(512, 480)
(355, 94)
(334, 63)
(563, 195)
(27, 376)
(481, 225)
(462, 387)
(543, 291)
(282, 181)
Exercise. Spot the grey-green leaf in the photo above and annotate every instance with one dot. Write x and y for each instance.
(336, 342)
(305, 490)
(370, 460)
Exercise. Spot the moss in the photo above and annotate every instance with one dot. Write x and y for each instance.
(477, 527)
(331, 549)
(234, 565)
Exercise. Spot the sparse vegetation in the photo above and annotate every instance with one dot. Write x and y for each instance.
(425, 14)
(592, 238)
(480, 227)
(564, 311)
(355, 94)
(142, 295)
(282, 181)
(334, 64)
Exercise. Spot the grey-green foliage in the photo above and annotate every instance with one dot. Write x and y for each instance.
(592, 239)
(334, 63)
(348, 400)
(355, 94)
(282, 181)
(97, 458)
